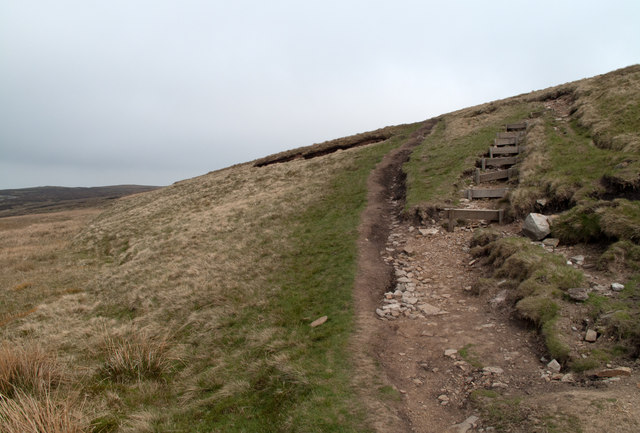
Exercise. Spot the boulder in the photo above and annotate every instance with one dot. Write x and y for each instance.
(554, 366)
(536, 226)
(617, 287)
(591, 336)
(614, 372)
(579, 294)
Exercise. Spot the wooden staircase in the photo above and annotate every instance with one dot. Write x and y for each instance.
(503, 155)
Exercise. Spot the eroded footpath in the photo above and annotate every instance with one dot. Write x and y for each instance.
(448, 354)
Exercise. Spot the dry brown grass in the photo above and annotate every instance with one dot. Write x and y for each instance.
(28, 370)
(34, 260)
(42, 414)
(186, 261)
(135, 356)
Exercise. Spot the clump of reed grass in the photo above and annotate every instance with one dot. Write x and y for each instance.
(29, 370)
(38, 414)
(135, 356)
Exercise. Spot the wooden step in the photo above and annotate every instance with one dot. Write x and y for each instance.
(486, 193)
(507, 141)
(494, 175)
(522, 126)
(473, 214)
(498, 162)
(505, 150)
(519, 134)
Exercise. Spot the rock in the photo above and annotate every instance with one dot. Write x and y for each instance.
(554, 366)
(428, 232)
(451, 353)
(500, 298)
(493, 370)
(542, 202)
(579, 294)
(614, 372)
(536, 226)
(429, 309)
(404, 280)
(551, 242)
(380, 312)
(443, 398)
(591, 336)
(617, 287)
(568, 378)
(499, 385)
(578, 260)
(408, 251)
(319, 321)
(412, 300)
(417, 382)
(465, 425)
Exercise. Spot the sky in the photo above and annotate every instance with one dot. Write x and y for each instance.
(106, 92)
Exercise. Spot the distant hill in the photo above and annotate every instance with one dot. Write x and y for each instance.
(55, 198)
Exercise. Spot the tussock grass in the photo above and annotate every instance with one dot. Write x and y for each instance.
(29, 370)
(620, 317)
(600, 221)
(541, 278)
(34, 260)
(233, 265)
(43, 414)
(135, 356)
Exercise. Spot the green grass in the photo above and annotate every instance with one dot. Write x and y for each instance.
(540, 278)
(438, 165)
(302, 383)
(514, 414)
(467, 353)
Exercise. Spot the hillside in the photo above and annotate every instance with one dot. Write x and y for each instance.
(195, 307)
(55, 198)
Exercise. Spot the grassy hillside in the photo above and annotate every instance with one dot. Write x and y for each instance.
(197, 316)
(56, 198)
(189, 308)
(582, 163)
(582, 144)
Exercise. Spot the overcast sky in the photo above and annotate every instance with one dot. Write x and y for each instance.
(101, 92)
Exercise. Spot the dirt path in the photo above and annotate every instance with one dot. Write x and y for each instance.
(440, 345)
(374, 277)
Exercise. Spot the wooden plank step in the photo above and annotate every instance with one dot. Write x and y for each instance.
(505, 150)
(508, 141)
(486, 193)
(498, 162)
(510, 134)
(522, 126)
(473, 214)
(494, 175)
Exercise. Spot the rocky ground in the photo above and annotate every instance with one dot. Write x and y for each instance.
(451, 346)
